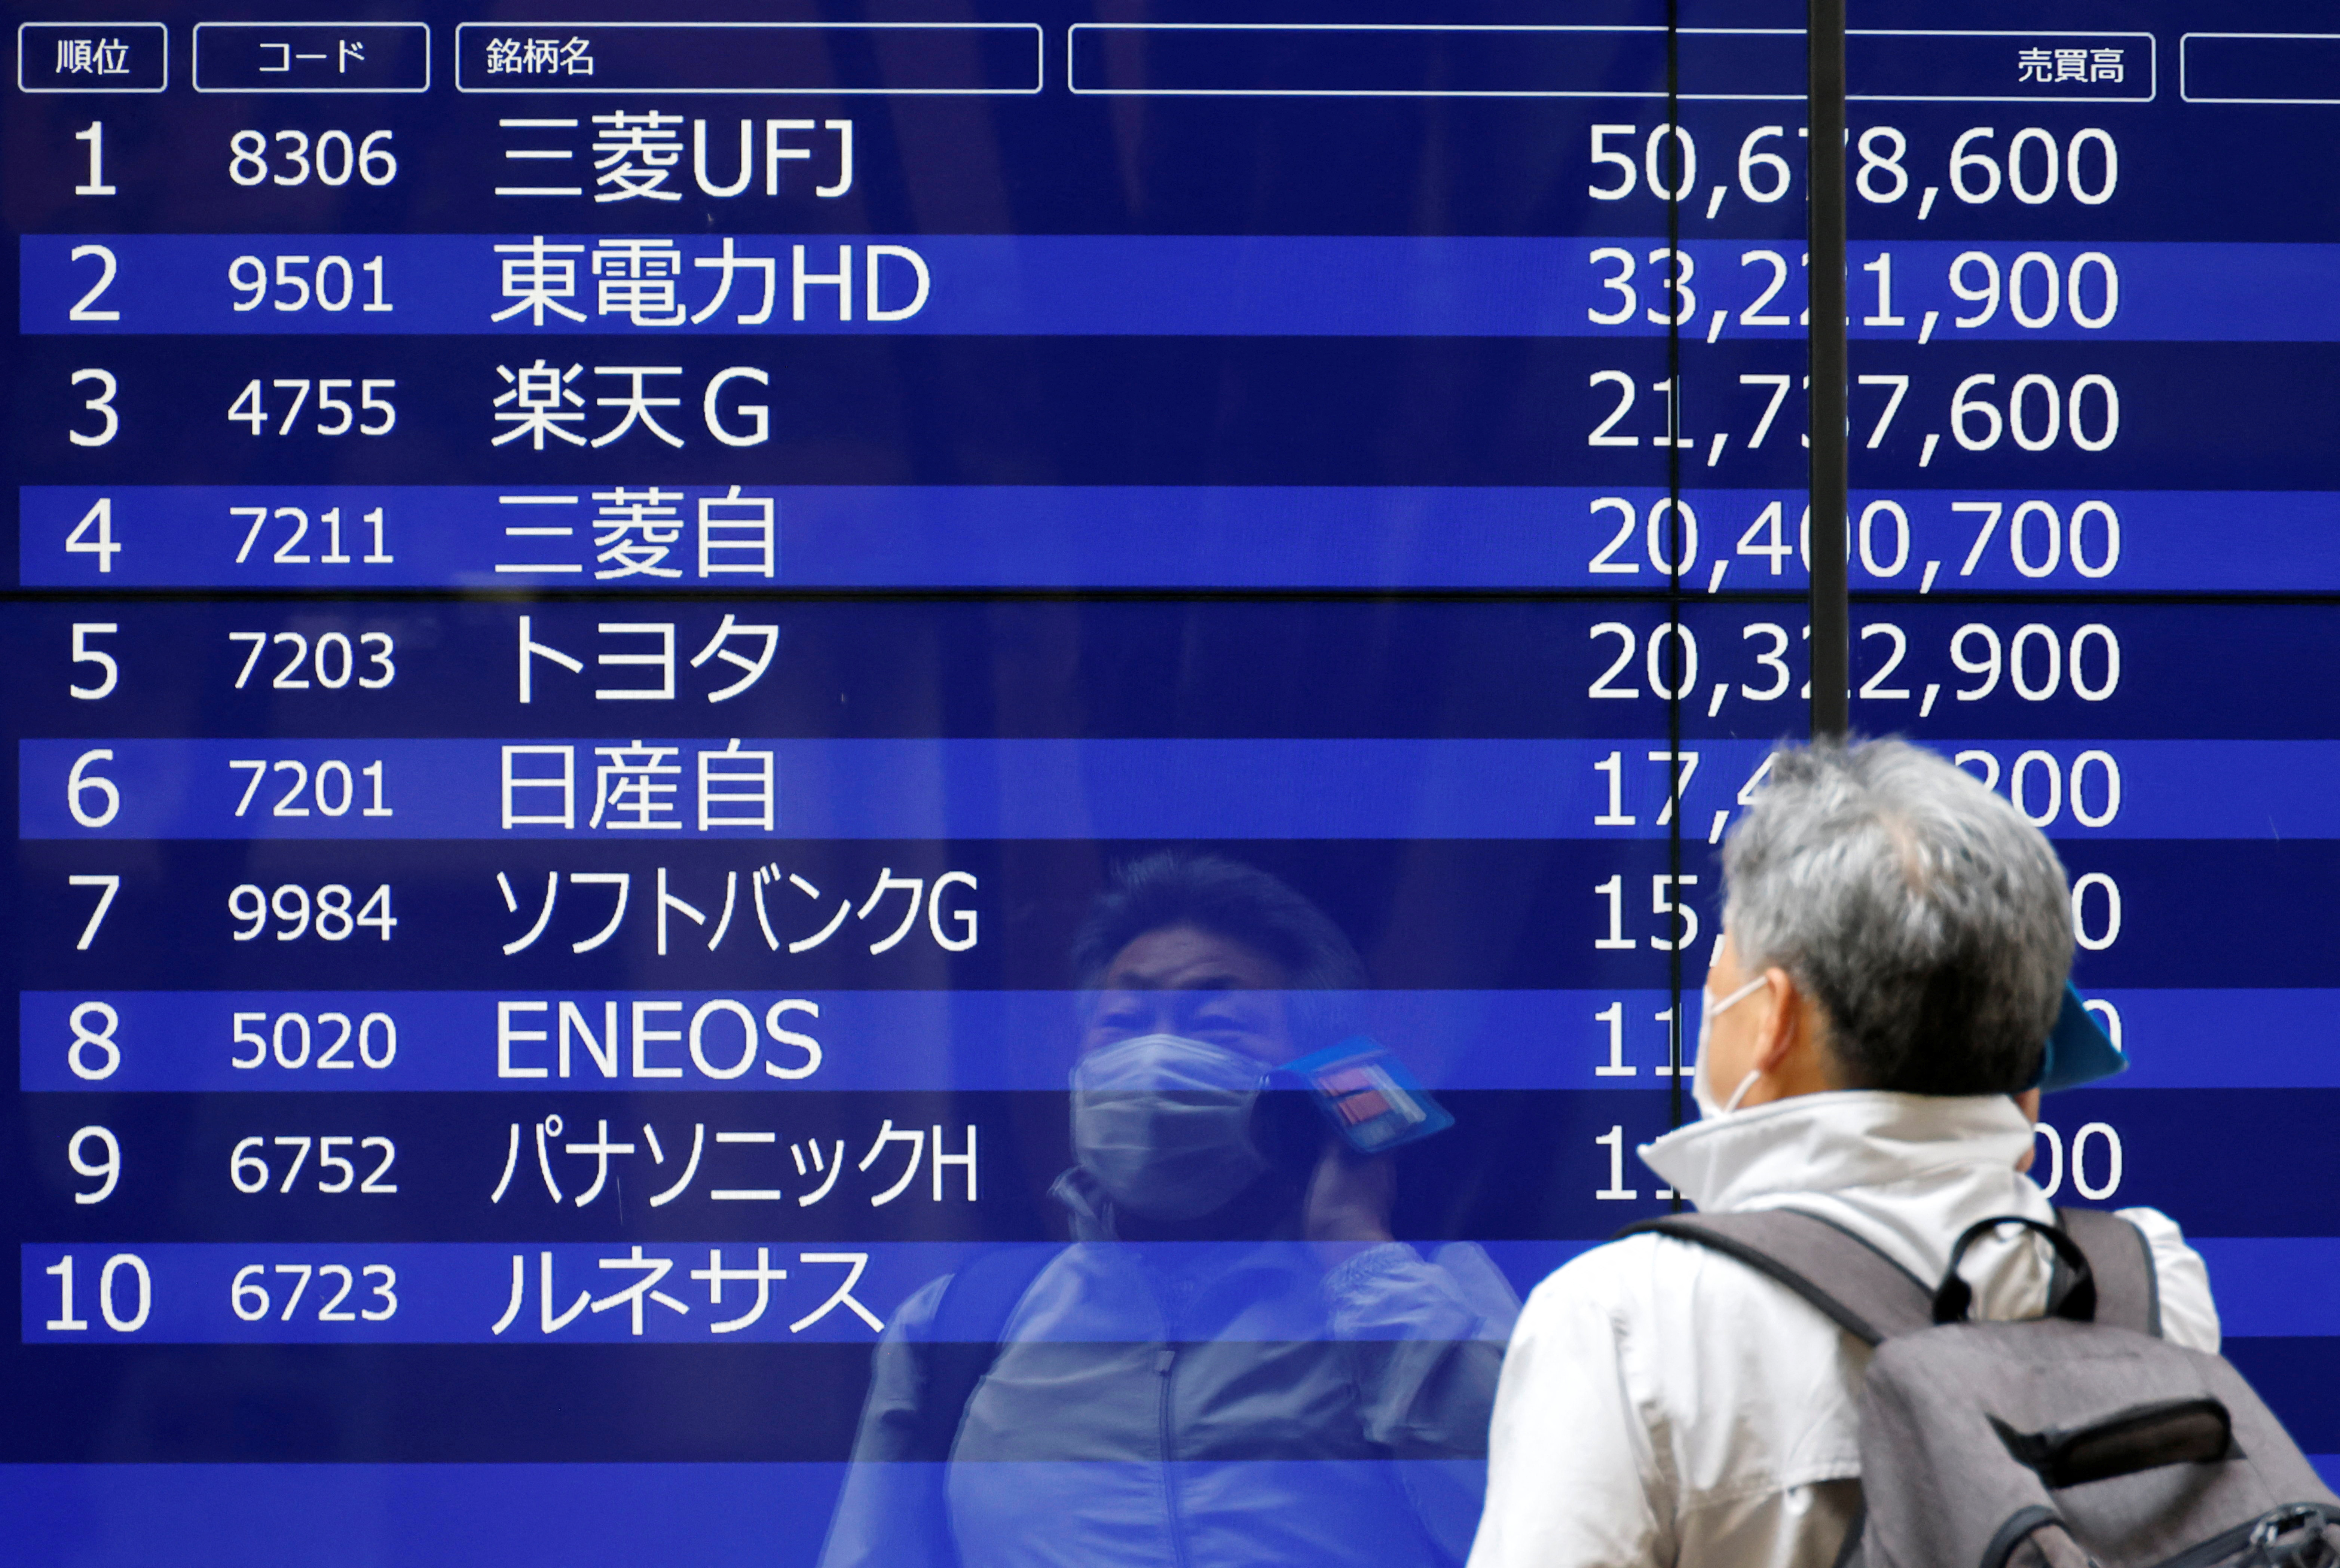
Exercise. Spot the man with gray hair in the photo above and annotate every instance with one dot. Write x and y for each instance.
(1897, 943)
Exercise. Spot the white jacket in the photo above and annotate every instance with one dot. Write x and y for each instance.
(1662, 1404)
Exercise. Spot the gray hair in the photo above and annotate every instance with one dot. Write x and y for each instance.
(1927, 918)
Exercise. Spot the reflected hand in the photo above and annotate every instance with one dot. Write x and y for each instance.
(1348, 1205)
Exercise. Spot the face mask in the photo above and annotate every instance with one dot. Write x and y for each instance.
(1707, 1109)
(1164, 1124)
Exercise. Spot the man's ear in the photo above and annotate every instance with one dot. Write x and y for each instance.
(1783, 1029)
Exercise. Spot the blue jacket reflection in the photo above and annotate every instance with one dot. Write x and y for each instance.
(1194, 1406)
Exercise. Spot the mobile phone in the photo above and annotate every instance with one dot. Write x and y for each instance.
(1369, 1097)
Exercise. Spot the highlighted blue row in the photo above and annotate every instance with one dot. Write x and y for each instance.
(1001, 536)
(1156, 284)
(681, 1293)
(667, 790)
(530, 1041)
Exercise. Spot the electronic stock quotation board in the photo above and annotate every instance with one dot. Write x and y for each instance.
(597, 595)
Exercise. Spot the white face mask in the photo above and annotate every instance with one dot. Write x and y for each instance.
(1164, 1124)
(1709, 1009)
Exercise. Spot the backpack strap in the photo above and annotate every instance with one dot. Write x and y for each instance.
(2129, 1289)
(964, 1340)
(1858, 1287)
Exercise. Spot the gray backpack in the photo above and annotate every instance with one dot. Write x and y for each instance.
(2071, 1441)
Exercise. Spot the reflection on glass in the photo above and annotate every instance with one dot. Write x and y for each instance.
(1233, 1360)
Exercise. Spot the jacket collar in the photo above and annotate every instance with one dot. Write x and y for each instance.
(1081, 1197)
(1831, 1142)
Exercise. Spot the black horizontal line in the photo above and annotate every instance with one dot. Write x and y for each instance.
(1688, 598)
(882, 595)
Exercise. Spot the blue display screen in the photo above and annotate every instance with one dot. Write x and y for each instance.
(598, 600)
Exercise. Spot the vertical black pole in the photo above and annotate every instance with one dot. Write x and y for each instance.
(1831, 612)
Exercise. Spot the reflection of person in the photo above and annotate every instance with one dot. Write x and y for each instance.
(1234, 1362)
(1896, 944)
